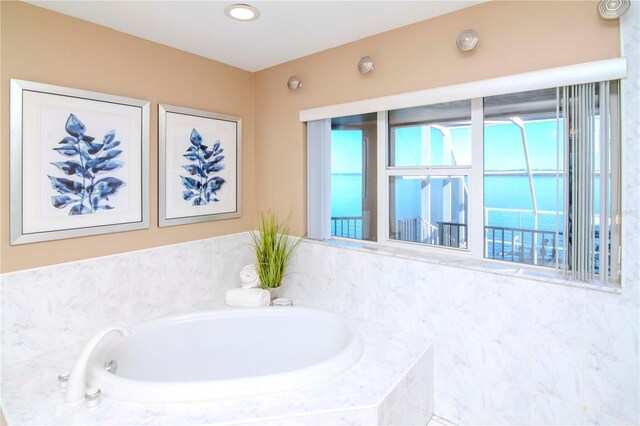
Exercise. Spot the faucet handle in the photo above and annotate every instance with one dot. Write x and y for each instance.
(63, 381)
(92, 398)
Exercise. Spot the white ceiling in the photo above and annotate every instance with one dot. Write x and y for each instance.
(286, 30)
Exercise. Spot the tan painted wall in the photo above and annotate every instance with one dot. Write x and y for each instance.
(47, 47)
(515, 36)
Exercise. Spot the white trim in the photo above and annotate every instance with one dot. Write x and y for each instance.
(608, 69)
(383, 180)
(430, 171)
(475, 232)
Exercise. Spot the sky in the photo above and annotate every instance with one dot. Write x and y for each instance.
(346, 151)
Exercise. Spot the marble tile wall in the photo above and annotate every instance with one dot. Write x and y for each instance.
(46, 309)
(411, 402)
(507, 350)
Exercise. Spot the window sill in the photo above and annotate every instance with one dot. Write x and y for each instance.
(465, 262)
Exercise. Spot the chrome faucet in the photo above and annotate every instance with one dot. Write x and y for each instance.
(77, 382)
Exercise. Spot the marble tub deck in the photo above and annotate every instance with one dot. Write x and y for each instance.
(391, 384)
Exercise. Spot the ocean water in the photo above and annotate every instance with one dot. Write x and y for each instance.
(504, 191)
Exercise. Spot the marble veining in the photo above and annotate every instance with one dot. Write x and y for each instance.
(529, 340)
(558, 373)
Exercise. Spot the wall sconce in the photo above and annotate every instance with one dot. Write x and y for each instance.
(613, 9)
(365, 65)
(294, 83)
(467, 40)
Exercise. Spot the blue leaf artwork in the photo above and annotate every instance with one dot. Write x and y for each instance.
(86, 189)
(200, 186)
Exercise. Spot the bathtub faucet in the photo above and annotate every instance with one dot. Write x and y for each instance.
(77, 383)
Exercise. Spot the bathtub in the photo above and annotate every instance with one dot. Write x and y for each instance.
(225, 354)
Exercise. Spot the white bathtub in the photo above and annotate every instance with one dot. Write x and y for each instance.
(225, 354)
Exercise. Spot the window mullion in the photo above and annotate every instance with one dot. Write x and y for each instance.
(429, 171)
(476, 180)
(615, 184)
(383, 178)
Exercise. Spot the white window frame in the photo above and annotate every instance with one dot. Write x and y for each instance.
(611, 69)
(474, 172)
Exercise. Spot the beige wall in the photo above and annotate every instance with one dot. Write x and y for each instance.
(47, 47)
(514, 37)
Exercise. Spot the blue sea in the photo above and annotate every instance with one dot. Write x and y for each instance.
(503, 191)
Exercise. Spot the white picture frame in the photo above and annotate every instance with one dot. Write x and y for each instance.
(199, 166)
(79, 163)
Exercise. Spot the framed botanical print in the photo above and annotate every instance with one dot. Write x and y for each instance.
(79, 163)
(199, 165)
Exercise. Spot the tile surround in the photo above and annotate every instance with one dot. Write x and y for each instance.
(504, 347)
(384, 387)
(49, 308)
(507, 350)
(48, 314)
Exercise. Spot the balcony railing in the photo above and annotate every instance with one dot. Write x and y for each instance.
(417, 230)
(451, 234)
(512, 244)
(520, 245)
(521, 237)
(347, 226)
(533, 247)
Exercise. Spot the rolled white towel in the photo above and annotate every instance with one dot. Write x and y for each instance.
(250, 297)
(249, 277)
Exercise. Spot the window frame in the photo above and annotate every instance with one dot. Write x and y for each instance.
(614, 69)
(367, 189)
(474, 173)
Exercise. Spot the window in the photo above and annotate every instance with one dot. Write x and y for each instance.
(429, 159)
(549, 166)
(524, 178)
(429, 210)
(353, 187)
(528, 177)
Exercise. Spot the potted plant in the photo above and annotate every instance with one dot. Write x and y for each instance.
(272, 247)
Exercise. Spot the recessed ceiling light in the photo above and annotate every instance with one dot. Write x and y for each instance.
(242, 12)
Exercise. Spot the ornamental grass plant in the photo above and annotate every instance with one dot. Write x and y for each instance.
(273, 248)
